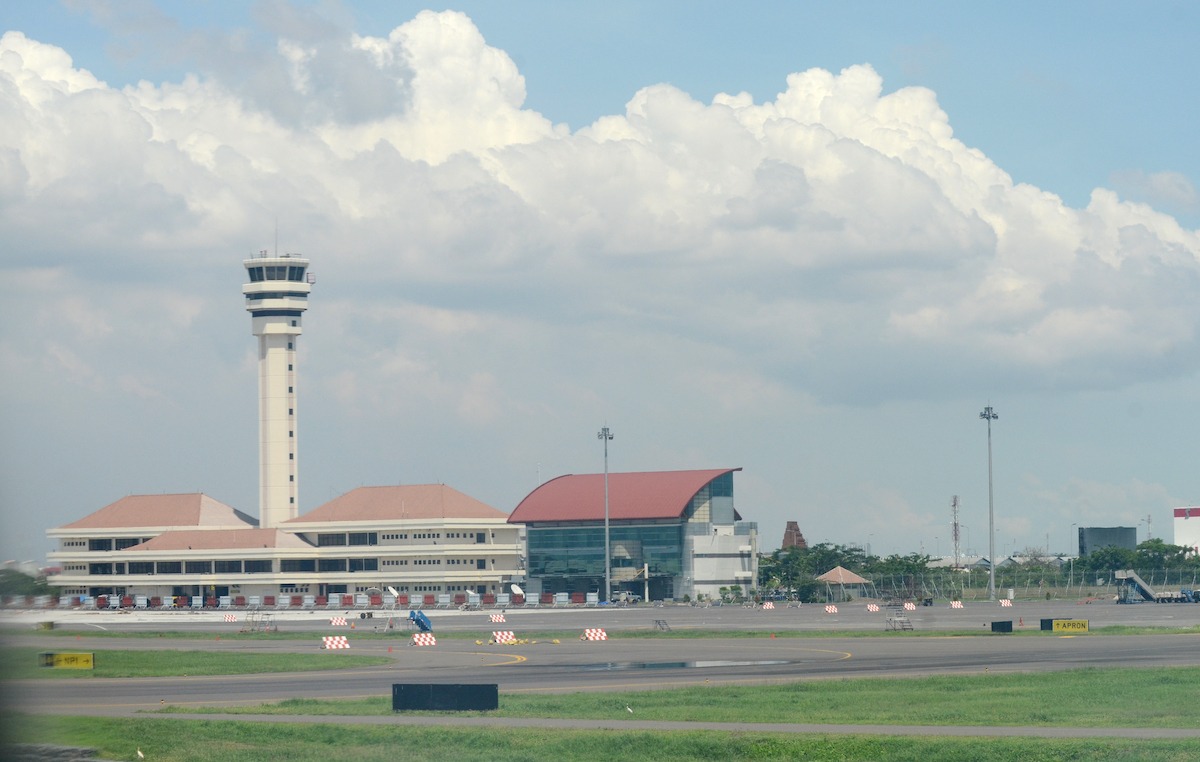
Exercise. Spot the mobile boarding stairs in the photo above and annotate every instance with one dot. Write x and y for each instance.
(1132, 587)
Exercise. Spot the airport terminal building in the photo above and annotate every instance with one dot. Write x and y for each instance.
(424, 541)
(674, 533)
(671, 534)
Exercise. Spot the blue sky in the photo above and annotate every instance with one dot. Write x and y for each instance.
(1005, 212)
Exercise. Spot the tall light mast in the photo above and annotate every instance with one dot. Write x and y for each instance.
(607, 436)
(954, 527)
(990, 415)
(276, 297)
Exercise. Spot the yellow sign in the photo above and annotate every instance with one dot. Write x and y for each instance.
(68, 661)
(1070, 625)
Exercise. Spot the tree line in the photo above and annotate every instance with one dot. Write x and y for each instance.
(792, 572)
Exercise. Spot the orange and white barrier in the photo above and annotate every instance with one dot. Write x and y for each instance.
(231, 617)
(423, 639)
(768, 606)
(504, 636)
(910, 606)
(335, 641)
(956, 604)
(873, 607)
(594, 634)
(338, 621)
(1006, 603)
(496, 618)
(831, 609)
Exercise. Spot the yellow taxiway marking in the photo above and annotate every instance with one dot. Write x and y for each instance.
(512, 658)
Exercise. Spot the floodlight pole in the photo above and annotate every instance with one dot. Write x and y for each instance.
(989, 415)
(606, 436)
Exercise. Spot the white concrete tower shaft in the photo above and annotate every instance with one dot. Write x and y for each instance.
(276, 297)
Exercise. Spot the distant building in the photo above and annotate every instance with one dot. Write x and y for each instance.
(1094, 538)
(963, 562)
(671, 533)
(792, 537)
(1187, 528)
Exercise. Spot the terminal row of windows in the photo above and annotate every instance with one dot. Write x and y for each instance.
(351, 538)
(478, 563)
(479, 537)
(293, 273)
(106, 543)
(252, 566)
(328, 564)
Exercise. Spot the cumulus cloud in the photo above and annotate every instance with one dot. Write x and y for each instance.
(477, 261)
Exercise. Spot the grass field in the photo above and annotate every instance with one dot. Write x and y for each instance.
(22, 663)
(1092, 698)
(1087, 698)
(213, 741)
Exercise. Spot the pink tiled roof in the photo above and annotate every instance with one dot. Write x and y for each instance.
(221, 539)
(145, 511)
(644, 495)
(415, 502)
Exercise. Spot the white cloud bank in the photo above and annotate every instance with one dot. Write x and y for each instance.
(481, 265)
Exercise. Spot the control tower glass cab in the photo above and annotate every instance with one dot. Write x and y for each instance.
(276, 297)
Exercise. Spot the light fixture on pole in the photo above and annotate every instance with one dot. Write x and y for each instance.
(989, 415)
(606, 436)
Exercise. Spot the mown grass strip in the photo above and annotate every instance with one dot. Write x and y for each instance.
(212, 741)
(1091, 698)
(23, 663)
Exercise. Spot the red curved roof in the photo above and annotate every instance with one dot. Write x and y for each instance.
(644, 495)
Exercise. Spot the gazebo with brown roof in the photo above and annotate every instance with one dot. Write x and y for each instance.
(840, 578)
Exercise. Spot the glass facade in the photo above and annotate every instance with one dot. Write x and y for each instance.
(277, 272)
(571, 558)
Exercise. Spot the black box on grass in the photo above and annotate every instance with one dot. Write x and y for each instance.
(1005, 626)
(453, 697)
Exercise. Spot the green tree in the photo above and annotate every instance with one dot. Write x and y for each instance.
(1156, 554)
(13, 582)
(1108, 559)
(897, 565)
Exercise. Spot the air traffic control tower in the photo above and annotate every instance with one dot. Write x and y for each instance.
(276, 297)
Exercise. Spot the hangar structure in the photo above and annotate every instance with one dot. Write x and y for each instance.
(672, 534)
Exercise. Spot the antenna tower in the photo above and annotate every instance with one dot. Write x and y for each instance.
(954, 527)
